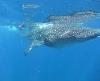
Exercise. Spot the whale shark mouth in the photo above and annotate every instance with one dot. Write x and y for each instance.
(44, 25)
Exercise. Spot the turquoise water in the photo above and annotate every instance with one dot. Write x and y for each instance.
(80, 62)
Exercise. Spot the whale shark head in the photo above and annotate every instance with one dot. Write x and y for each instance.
(42, 26)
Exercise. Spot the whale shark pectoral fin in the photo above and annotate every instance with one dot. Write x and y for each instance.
(34, 43)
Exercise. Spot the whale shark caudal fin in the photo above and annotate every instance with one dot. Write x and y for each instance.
(34, 43)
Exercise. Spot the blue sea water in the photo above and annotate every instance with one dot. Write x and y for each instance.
(80, 62)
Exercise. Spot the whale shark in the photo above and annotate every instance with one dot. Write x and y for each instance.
(62, 30)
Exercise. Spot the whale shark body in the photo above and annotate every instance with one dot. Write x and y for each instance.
(57, 36)
(62, 30)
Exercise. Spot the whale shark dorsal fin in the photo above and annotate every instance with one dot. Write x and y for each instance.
(34, 43)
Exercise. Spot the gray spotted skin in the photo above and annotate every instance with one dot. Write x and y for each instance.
(61, 30)
(57, 34)
(61, 35)
(78, 17)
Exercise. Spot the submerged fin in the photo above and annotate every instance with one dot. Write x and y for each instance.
(34, 43)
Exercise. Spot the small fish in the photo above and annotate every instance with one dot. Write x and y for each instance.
(21, 26)
(30, 6)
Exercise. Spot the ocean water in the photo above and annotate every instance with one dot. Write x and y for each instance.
(79, 62)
